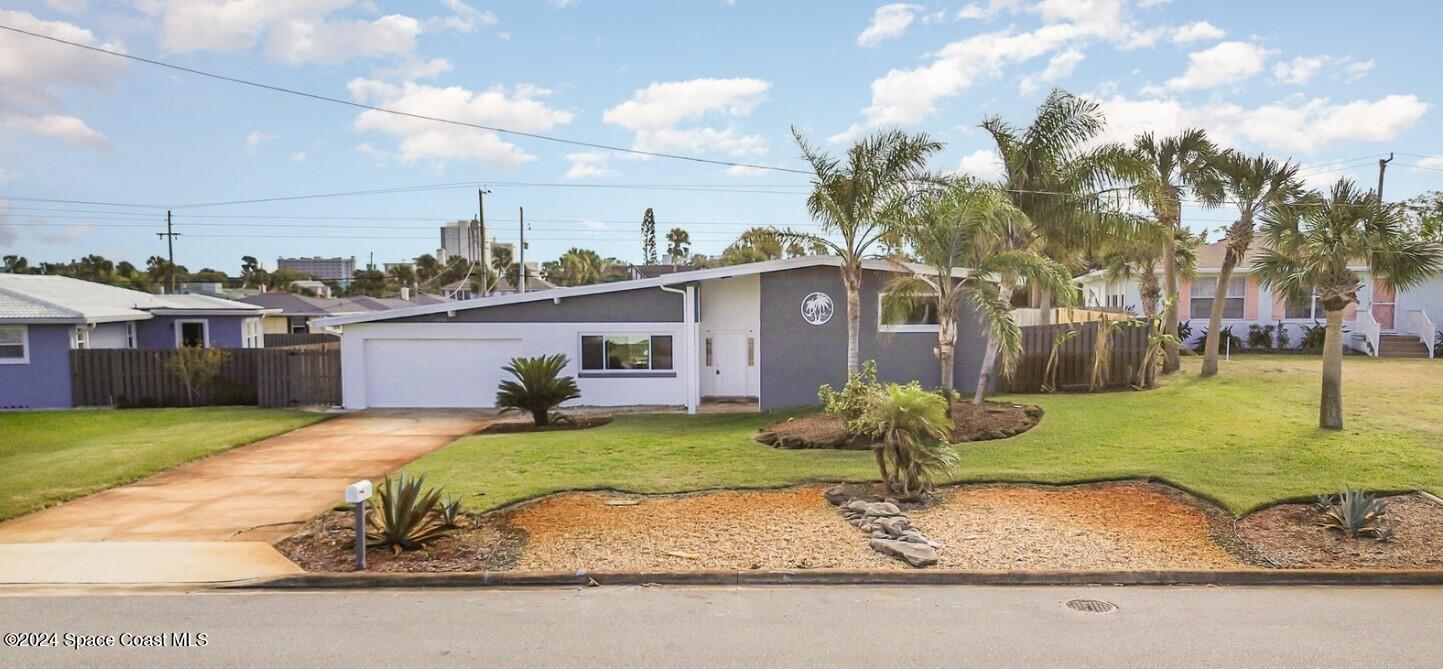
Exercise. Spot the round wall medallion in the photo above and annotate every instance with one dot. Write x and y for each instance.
(817, 308)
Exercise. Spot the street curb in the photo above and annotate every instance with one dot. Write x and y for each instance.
(347, 581)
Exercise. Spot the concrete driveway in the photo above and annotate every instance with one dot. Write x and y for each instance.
(260, 492)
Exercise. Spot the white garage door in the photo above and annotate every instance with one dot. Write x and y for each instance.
(415, 373)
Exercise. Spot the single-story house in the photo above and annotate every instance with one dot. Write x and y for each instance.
(1383, 323)
(43, 318)
(292, 313)
(770, 333)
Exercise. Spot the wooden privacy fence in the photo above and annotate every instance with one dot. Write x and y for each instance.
(308, 339)
(263, 377)
(1075, 357)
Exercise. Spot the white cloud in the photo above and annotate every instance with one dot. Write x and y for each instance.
(588, 164)
(1196, 32)
(1431, 162)
(989, 11)
(1149, 4)
(562, 4)
(654, 113)
(1356, 70)
(983, 164)
(34, 74)
(888, 22)
(1060, 66)
(466, 18)
(298, 157)
(67, 6)
(297, 31)
(255, 139)
(1225, 63)
(1300, 70)
(907, 96)
(1303, 126)
(520, 108)
(68, 129)
(411, 68)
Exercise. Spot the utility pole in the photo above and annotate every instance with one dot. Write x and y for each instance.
(481, 218)
(1382, 167)
(170, 234)
(521, 251)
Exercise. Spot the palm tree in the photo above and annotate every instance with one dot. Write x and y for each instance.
(401, 274)
(1164, 171)
(1310, 246)
(678, 245)
(1254, 184)
(1059, 179)
(427, 268)
(576, 267)
(973, 226)
(1136, 256)
(856, 201)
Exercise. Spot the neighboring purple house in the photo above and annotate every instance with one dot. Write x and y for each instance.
(42, 318)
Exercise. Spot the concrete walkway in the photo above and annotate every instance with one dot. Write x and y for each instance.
(260, 492)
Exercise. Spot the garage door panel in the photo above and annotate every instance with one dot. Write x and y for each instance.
(440, 373)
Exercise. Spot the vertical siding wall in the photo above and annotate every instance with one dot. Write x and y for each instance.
(159, 332)
(797, 358)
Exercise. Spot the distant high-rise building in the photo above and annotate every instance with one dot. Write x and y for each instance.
(326, 269)
(463, 239)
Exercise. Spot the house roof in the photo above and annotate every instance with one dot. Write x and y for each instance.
(649, 271)
(1210, 259)
(28, 298)
(680, 278)
(292, 304)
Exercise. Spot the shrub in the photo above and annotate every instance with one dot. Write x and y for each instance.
(1227, 341)
(539, 387)
(910, 426)
(1260, 336)
(1284, 342)
(1313, 336)
(854, 398)
(405, 516)
(1355, 514)
(196, 368)
(1184, 331)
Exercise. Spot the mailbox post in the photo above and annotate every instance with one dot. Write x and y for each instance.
(357, 493)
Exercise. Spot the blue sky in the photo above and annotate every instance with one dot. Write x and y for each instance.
(1318, 82)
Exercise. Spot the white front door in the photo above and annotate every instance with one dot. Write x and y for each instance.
(730, 352)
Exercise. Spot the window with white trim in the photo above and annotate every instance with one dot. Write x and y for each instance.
(626, 353)
(1204, 290)
(251, 336)
(14, 345)
(1302, 307)
(80, 337)
(921, 316)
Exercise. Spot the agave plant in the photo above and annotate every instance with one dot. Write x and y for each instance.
(448, 511)
(1356, 514)
(405, 517)
(539, 387)
(911, 427)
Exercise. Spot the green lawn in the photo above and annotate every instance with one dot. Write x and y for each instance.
(1245, 440)
(52, 456)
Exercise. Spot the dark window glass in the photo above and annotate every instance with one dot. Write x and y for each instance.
(922, 312)
(592, 356)
(628, 352)
(661, 352)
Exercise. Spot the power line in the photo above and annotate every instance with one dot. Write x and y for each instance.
(397, 112)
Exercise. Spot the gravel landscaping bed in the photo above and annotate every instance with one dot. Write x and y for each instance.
(1287, 536)
(326, 544)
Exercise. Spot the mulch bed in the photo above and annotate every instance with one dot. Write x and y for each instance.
(991, 420)
(326, 545)
(1287, 536)
(527, 425)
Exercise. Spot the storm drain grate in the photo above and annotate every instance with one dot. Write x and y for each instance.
(1091, 605)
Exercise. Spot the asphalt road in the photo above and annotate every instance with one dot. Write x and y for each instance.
(756, 627)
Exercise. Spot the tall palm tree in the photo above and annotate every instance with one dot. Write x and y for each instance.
(576, 267)
(1254, 184)
(975, 227)
(856, 200)
(1055, 173)
(678, 245)
(427, 268)
(1136, 256)
(1164, 171)
(1312, 243)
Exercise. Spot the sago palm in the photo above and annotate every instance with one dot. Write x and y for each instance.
(1057, 174)
(1312, 246)
(855, 201)
(539, 387)
(1164, 171)
(1254, 184)
(910, 429)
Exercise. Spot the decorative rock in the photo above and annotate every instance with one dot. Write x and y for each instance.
(843, 493)
(893, 526)
(879, 509)
(917, 555)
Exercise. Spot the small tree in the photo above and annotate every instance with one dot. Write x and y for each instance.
(910, 428)
(197, 368)
(648, 237)
(539, 387)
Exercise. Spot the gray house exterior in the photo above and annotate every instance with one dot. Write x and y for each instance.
(770, 333)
